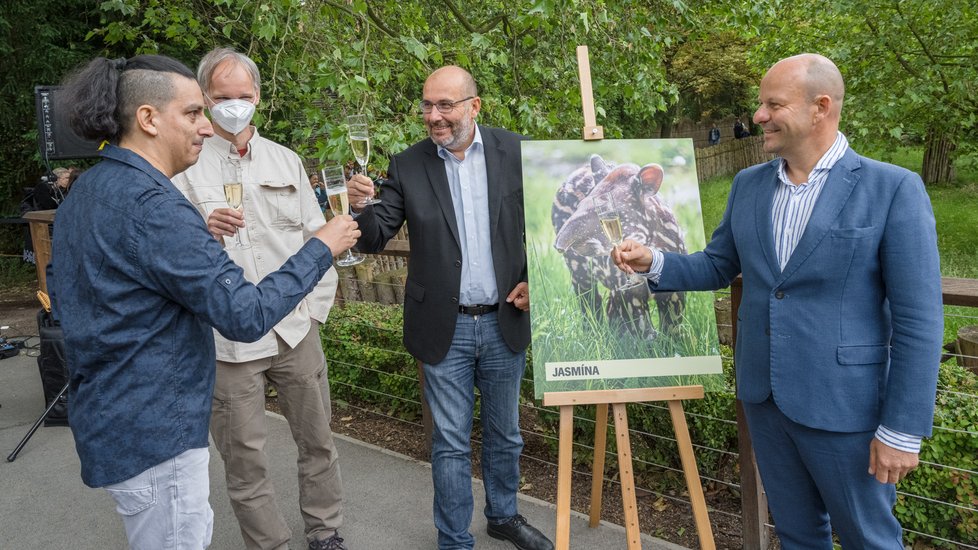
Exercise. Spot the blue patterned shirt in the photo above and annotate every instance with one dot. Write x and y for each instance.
(137, 282)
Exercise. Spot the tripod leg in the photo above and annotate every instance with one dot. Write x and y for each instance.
(13, 456)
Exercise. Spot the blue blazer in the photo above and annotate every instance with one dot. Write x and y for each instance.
(848, 336)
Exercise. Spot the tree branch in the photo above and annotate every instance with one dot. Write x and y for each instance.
(923, 46)
(370, 15)
(469, 26)
(903, 62)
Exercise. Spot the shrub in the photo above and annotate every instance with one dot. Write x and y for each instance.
(367, 360)
(953, 443)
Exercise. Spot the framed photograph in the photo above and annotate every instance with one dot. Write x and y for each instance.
(593, 327)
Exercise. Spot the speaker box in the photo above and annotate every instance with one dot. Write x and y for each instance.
(55, 137)
(53, 367)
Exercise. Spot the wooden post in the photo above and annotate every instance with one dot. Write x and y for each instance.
(632, 533)
(968, 347)
(591, 130)
(753, 503)
(597, 470)
(564, 456)
(703, 529)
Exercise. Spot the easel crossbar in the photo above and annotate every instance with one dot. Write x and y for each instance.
(636, 395)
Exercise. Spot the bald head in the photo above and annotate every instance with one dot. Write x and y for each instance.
(800, 110)
(818, 76)
(452, 124)
(455, 76)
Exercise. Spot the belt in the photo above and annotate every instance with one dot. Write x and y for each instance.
(479, 309)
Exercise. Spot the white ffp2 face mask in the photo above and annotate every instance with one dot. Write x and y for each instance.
(233, 115)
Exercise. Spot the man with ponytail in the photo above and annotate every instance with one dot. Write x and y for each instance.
(137, 282)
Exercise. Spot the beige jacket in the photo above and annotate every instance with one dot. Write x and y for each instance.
(281, 213)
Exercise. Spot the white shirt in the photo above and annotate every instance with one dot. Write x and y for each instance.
(281, 214)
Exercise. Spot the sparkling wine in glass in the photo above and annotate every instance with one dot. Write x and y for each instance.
(359, 136)
(233, 192)
(339, 204)
(610, 220)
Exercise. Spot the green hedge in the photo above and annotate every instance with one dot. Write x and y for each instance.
(952, 444)
(364, 349)
(367, 360)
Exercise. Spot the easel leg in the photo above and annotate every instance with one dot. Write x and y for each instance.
(703, 528)
(597, 472)
(564, 456)
(628, 501)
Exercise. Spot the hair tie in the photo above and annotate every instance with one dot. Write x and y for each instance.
(119, 64)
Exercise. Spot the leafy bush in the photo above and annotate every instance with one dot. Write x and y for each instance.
(953, 443)
(367, 360)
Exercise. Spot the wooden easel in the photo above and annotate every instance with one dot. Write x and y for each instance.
(618, 399)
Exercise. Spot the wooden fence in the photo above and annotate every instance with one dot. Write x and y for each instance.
(729, 157)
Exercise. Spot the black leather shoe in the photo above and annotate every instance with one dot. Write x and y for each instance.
(523, 535)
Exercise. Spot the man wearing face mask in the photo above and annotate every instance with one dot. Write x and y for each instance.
(279, 213)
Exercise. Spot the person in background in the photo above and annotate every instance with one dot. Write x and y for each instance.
(48, 195)
(714, 135)
(282, 214)
(839, 331)
(465, 308)
(739, 130)
(319, 190)
(137, 281)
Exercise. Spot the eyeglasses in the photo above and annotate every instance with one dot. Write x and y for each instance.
(444, 107)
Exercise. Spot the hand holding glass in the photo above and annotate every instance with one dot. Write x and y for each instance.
(339, 204)
(610, 220)
(359, 137)
(233, 191)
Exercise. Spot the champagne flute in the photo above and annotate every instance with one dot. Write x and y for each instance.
(359, 136)
(610, 220)
(233, 192)
(339, 204)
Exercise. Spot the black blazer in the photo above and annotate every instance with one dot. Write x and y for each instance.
(418, 192)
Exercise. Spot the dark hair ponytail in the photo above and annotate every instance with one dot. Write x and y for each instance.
(91, 92)
(105, 93)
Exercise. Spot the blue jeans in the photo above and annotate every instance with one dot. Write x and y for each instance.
(478, 358)
(166, 507)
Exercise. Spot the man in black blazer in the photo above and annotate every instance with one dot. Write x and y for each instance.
(466, 298)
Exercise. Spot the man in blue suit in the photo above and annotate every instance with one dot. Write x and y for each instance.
(839, 332)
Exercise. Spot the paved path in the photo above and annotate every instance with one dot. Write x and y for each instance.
(43, 503)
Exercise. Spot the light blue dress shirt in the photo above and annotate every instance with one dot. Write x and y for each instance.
(469, 185)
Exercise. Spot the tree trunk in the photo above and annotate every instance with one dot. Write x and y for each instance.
(938, 164)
